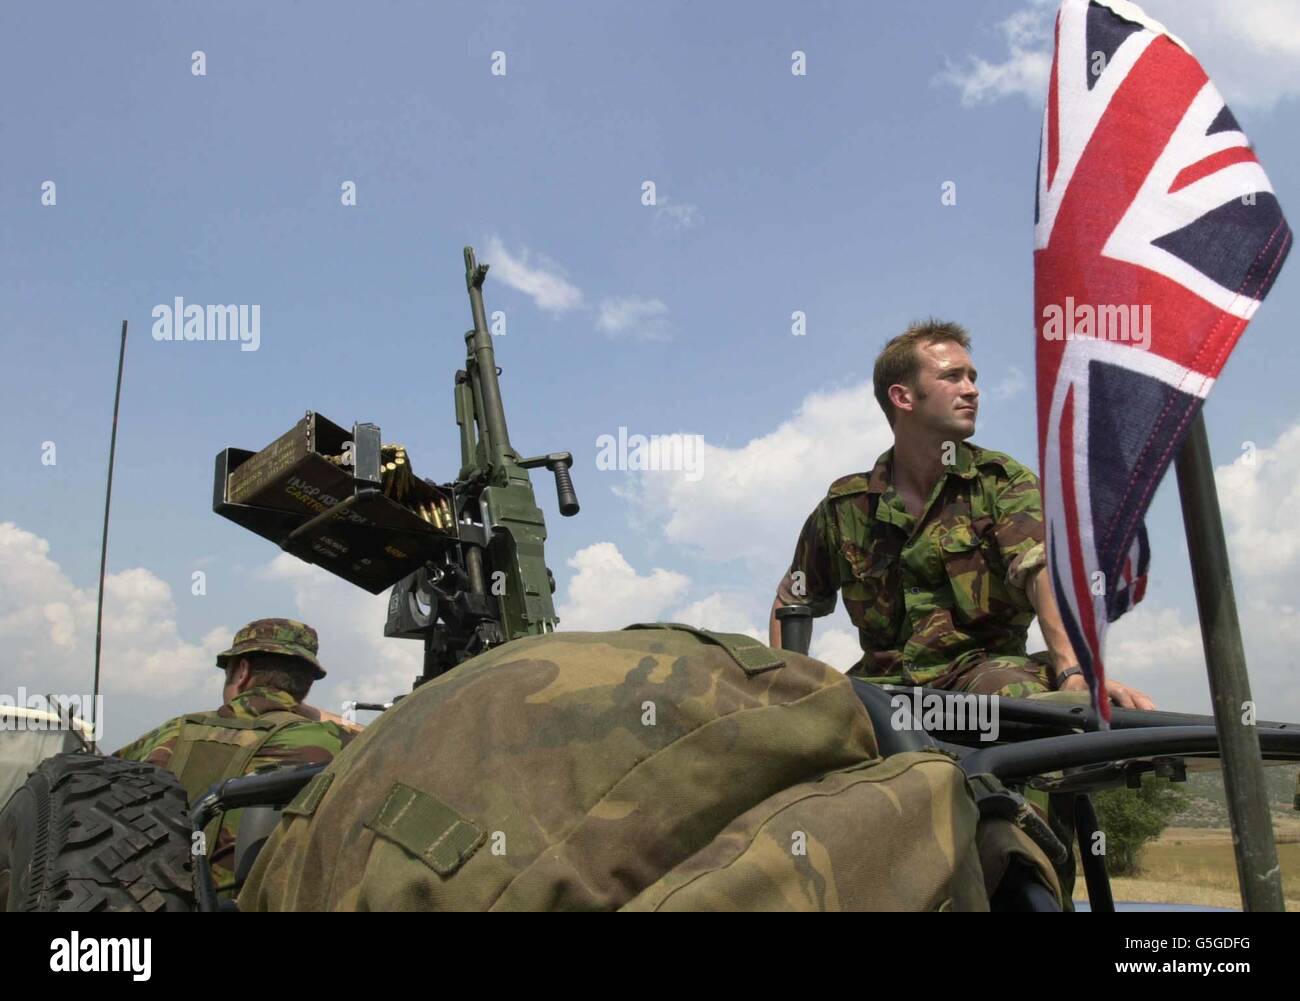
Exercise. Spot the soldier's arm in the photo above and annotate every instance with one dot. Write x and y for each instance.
(1018, 528)
(307, 744)
(1054, 634)
(811, 579)
(155, 747)
(1057, 639)
(1020, 534)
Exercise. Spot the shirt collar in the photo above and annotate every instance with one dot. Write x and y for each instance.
(880, 479)
(265, 693)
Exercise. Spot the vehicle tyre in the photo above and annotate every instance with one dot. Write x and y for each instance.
(90, 833)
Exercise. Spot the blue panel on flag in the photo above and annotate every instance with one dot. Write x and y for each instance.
(1224, 121)
(1106, 33)
(1240, 246)
(1132, 419)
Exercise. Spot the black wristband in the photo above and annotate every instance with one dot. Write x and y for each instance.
(1066, 675)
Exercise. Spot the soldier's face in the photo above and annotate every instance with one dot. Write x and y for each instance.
(946, 400)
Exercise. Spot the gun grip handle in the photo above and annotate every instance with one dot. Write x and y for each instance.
(564, 489)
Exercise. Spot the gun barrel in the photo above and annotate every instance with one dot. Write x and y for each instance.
(482, 358)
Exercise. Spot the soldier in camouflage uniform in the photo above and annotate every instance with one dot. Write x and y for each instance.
(938, 548)
(263, 724)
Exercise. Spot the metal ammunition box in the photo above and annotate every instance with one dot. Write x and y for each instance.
(285, 492)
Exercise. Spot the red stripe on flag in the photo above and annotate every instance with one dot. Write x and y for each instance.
(1215, 162)
(1053, 110)
(1082, 593)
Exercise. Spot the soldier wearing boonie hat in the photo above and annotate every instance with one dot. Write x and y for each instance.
(270, 667)
(287, 637)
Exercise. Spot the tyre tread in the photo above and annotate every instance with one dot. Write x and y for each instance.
(112, 835)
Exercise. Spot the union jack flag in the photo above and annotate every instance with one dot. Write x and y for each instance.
(1156, 237)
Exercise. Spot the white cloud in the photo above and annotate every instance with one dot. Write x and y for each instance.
(1025, 69)
(1159, 649)
(1035, 639)
(544, 281)
(606, 593)
(47, 630)
(1155, 645)
(634, 316)
(672, 215)
(837, 647)
(149, 671)
(1259, 500)
(362, 663)
(748, 503)
(726, 612)
(541, 279)
(1251, 51)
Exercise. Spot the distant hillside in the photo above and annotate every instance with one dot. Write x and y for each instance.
(1206, 806)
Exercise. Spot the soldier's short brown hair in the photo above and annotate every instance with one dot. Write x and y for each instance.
(277, 670)
(899, 363)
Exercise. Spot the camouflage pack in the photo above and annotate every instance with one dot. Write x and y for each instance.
(652, 767)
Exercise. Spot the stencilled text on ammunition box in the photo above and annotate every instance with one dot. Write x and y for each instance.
(313, 498)
(262, 469)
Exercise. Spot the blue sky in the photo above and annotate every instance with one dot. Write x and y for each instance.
(776, 193)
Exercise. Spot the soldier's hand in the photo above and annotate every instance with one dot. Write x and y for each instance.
(1076, 683)
(1121, 694)
(1126, 697)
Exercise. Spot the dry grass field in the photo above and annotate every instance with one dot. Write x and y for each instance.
(1194, 865)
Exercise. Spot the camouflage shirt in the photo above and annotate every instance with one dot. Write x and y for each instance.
(925, 592)
(311, 742)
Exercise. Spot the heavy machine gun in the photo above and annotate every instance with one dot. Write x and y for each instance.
(465, 559)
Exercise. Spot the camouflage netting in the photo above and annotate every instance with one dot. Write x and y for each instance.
(650, 768)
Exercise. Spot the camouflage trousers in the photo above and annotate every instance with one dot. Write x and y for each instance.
(1009, 675)
(1013, 677)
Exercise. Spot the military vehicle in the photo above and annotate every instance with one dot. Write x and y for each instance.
(500, 690)
(30, 734)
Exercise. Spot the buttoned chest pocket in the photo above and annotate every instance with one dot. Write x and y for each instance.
(966, 565)
(870, 590)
